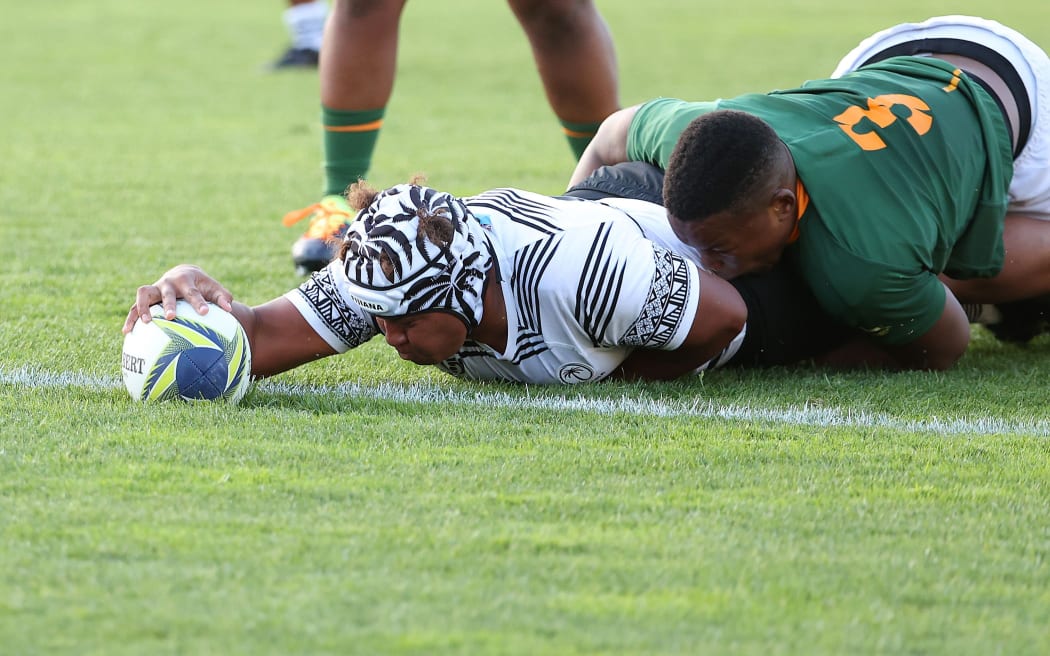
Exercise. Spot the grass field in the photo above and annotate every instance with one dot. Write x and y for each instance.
(363, 505)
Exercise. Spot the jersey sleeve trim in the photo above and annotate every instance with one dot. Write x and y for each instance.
(330, 313)
(674, 296)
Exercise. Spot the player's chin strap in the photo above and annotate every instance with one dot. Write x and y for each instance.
(415, 249)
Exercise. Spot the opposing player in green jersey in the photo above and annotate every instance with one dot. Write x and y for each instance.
(876, 187)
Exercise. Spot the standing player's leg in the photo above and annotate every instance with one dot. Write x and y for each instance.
(357, 68)
(576, 60)
(358, 63)
(305, 22)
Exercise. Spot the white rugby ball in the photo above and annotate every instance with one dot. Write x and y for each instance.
(192, 357)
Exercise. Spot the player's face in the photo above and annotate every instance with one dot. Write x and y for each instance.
(424, 338)
(732, 246)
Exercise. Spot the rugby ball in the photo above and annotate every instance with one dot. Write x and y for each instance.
(193, 356)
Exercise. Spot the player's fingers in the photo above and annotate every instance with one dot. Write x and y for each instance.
(208, 289)
(196, 298)
(129, 322)
(223, 298)
(168, 296)
(145, 296)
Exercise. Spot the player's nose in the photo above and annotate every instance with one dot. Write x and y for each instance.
(395, 336)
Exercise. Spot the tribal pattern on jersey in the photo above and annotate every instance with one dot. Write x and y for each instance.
(664, 309)
(349, 324)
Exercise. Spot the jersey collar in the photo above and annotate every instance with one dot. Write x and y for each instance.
(802, 199)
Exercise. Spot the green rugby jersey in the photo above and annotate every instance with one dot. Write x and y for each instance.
(907, 165)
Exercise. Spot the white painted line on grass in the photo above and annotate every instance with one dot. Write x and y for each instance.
(820, 417)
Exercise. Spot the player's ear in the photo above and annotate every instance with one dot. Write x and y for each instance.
(784, 204)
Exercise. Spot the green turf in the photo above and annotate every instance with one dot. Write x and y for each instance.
(337, 510)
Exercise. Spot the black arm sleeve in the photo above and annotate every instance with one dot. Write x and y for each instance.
(637, 180)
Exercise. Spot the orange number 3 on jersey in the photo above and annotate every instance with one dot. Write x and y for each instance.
(880, 113)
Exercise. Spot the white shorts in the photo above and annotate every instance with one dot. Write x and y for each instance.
(1030, 186)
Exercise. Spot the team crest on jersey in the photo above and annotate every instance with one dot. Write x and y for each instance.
(575, 372)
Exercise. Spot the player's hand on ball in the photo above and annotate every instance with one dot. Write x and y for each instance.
(193, 356)
(184, 281)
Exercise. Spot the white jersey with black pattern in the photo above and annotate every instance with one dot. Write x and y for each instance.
(584, 284)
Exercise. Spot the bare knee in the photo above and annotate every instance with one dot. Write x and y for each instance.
(552, 21)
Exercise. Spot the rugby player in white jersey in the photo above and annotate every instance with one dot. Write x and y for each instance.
(507, 285)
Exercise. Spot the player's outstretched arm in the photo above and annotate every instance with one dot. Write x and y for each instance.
(720, 316)
(609, 145)
(280, 338)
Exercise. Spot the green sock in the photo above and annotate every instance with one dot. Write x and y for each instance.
(579, 135)
(349, 139)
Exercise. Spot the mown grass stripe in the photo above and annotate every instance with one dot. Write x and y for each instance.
(427, 393)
